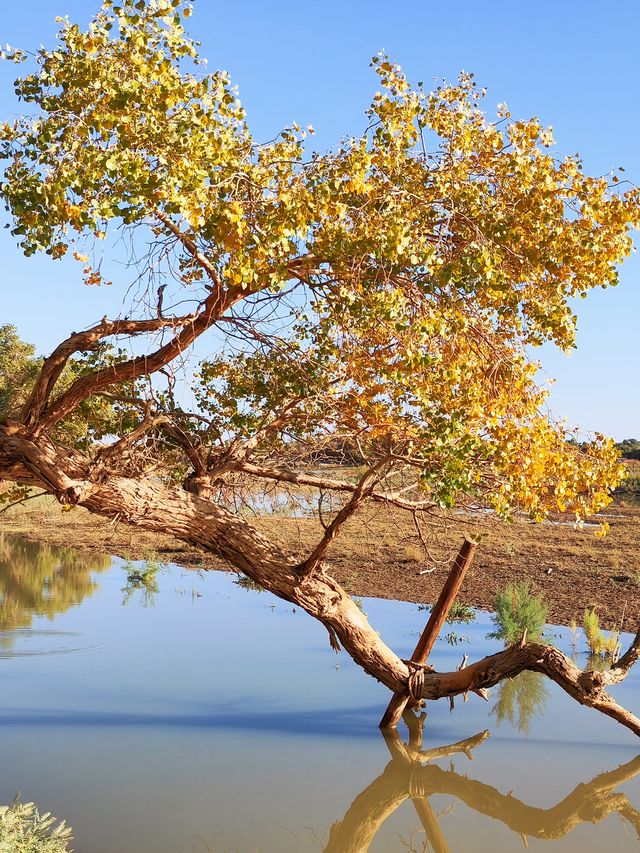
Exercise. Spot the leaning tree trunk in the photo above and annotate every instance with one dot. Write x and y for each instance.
(156, 507)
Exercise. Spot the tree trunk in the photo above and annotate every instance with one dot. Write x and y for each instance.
(156, 507)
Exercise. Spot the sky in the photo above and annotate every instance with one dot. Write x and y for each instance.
(573, 64)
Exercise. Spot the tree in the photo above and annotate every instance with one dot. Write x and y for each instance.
(629, 448)
(382, 297)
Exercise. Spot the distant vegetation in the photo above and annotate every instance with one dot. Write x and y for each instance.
(629, 489)
(629, 448)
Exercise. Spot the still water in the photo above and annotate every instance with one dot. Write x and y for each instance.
(209, 717)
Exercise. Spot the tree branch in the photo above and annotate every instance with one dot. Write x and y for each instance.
(22, 501)
(191, 247)
(623, 665)
(113, 451)
(79, 342)
(93, 383)
(284, 475)
(191, 449)
(360, 494)
(585, 686)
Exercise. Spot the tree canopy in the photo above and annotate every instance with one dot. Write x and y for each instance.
(383, 297)
(386, 290)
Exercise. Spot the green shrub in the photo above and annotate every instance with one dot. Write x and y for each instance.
(600, 644)
(518, 609)
(24, 830)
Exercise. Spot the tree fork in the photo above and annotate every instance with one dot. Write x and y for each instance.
(439, 614)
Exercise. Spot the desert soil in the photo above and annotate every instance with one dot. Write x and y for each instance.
(379, 555)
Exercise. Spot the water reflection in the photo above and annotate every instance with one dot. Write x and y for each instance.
(410, 776)
(39, 580)
(184, 729)
(141, 578)
(520, 699)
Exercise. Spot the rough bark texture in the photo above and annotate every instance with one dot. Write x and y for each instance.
(156, 507)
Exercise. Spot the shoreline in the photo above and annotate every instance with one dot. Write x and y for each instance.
(378, 557)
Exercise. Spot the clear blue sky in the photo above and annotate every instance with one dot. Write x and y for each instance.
(574, 64)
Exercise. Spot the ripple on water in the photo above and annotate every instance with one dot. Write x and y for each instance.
(32, 642)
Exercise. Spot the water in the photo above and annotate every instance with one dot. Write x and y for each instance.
(209, 717)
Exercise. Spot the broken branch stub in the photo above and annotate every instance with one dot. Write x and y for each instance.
(433, 627)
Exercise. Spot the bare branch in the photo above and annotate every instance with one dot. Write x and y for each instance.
(587, 687)
(80, 342)
(360, 493)
(188, 445)
(191, 247)
(113, 451)
(22, 501)
(96, 382)
(621, 669)
(329, 484)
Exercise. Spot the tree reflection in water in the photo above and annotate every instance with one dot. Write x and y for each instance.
(41, 580)
(409, 775)
(520, 699)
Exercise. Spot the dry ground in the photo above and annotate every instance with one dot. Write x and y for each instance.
(379, 555)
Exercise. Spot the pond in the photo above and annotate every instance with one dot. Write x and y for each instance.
(200, 715)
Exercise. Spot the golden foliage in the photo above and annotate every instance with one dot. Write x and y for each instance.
(429, 253)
